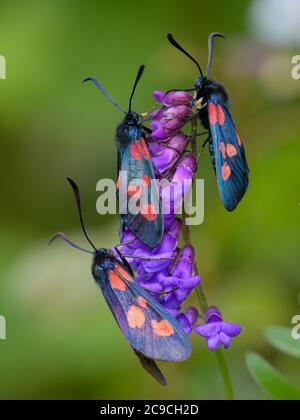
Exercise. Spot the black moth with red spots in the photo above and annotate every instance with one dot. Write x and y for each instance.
(146, 221)
(226, 150)
(152, 332)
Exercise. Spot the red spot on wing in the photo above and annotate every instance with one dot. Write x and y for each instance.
(223, 150)
(144, 149)
(135, 151)
(124, 273)
(116, 282)
(148, 212)
(133, 190)
(146, 179)
(221, 115)
(213, 114)
(135, 317)
(162, 328)
(238, 138)
(231, 150)
(118, 183)
(226, 171)
(142, 302)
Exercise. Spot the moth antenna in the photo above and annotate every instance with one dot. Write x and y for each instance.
(138, 76)
(125, 262)
(99, 86)
(78, 203)
(211, 41)
(179, 47)
(66, 239)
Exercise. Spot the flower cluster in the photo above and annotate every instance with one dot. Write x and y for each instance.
(167, 271)
(217, 332)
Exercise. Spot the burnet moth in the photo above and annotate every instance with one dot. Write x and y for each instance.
(134, 162)
(226, 149)
(152, 332)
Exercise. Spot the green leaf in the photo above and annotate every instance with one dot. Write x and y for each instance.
(269, 379)
(281, 338)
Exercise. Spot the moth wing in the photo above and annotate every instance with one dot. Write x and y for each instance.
(147, 325)
(151, 367)
(135, 162)
(230, 162)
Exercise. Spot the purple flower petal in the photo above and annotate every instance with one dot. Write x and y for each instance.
(174, 124)
(192, 315)
(181, 294)
(213, 315)
(214, 342)
(170, 301)
(158, 95)
(230, 329)
(160, 133)
(166, 154)
(189, 283)
(174, 98)
(169, 220)
(173, 311)
(185, 265)
(180, 111)
(185, 323)
(225, 340)
(208, 330)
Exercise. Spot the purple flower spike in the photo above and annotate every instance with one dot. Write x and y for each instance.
(188, 319)
(167, 271)
(217, 332)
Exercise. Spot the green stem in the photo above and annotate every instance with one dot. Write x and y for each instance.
(202, 300)
(225, 375)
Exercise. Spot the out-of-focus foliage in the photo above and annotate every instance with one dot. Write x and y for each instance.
(268, 378)
(62, 341)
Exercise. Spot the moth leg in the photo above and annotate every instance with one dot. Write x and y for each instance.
(202, 149)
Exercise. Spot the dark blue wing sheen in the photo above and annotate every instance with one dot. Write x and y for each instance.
(147, 325)
(228, 154)
(135, 161)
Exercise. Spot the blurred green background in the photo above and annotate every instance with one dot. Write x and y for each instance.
(62, 341)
